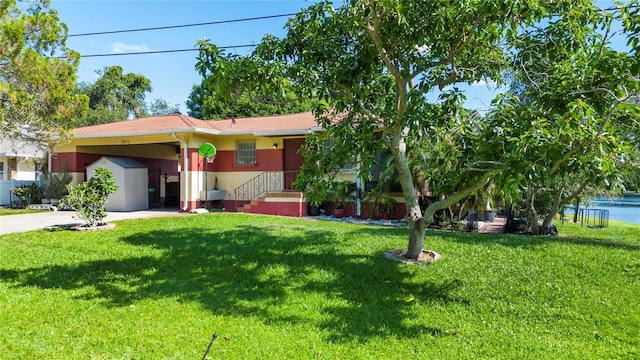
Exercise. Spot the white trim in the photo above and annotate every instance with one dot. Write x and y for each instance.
(142, 133)
(201, 131)
(281, 132)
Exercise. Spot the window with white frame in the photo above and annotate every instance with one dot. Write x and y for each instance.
(1, 170)
(245, 152)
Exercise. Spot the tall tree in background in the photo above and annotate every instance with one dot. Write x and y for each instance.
(115, 96)
(241, 86)
(37, 74)
(161, 107)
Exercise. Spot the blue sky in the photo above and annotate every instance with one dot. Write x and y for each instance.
(172, 74)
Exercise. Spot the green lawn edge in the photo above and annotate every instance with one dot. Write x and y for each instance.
(274, 288)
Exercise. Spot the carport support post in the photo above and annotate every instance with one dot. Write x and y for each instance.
(184, 170)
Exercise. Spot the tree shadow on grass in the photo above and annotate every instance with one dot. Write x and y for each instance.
(252, 271)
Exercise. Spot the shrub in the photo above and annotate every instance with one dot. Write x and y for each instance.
(88, 198)
(380, 202)
(29, 194)
(57, 184)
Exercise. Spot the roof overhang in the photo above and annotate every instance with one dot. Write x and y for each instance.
(282, 133)
(147, 133)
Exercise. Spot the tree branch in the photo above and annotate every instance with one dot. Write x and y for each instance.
(367, 112)
(456, 197)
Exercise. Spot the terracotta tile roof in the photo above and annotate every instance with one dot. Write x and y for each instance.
(278, 124)
(154, 124)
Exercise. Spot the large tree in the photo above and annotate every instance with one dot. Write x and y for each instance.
(37, 74)
(569, 128)
(115, 96)
(375, 65)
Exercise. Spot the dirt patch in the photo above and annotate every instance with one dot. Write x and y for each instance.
(426, 257)
(101, 226)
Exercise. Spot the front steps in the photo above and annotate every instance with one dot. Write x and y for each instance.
(286, 203)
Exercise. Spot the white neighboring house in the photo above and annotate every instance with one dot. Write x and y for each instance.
(20, 164)
(20, 160)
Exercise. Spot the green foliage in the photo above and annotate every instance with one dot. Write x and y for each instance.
(29, 194)
(56, 187)
(115, 96)
(569, 125)
(37, 74)
(161, 107)
(237, 86)
(89, 197)
(283, 288)
(379, 201)
(318, 172)
(341, 192)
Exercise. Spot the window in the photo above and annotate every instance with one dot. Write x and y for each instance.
(326, 148)
(245, 152)
(1, 170)
(327, 145)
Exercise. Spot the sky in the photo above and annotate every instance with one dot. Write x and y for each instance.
(172, 75)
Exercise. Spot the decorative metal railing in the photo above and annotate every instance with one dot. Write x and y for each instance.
(268, 181)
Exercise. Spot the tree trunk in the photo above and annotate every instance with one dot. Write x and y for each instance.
(415, 218)
(534, 228)
(416, 240)
(546, 224)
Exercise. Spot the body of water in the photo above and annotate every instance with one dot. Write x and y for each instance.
(625, 209)
(630, 214)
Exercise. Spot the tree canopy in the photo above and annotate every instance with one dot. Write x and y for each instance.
(37, 74)
(225, 93)
(374, 65)
(161, 107)
(570, 126)
(115, 96)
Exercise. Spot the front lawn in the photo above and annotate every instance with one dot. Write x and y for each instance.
(282, 288)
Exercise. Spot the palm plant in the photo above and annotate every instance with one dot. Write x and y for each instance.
(379, 202)
(340, 193)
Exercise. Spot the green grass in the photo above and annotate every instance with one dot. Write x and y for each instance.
(281, 288)
(4, 212)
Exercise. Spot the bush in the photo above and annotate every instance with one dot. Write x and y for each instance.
(380, 202)
(29, 194)
(57, 184)
(88, 198)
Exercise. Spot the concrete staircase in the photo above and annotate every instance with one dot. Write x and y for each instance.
(287, 203)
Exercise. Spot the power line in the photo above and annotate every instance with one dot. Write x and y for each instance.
(159, 51)
(182, 26)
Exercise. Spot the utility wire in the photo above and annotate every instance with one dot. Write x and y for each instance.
(182, 26)
(159, 51)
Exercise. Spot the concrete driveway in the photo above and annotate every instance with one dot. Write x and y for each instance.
(42, 220)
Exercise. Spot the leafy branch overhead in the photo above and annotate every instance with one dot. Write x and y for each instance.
(242, 86)
(38, 73)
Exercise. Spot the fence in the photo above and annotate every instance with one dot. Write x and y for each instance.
(7, 198)
(594, 218)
